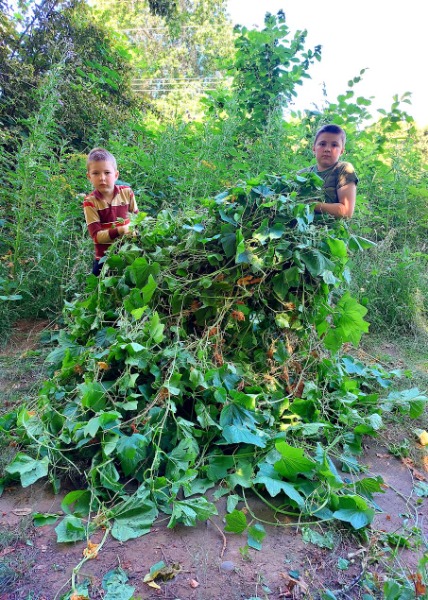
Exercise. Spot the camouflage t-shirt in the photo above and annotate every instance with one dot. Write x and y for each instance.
(335, 177)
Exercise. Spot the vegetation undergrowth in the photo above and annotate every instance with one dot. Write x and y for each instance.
(209, 354)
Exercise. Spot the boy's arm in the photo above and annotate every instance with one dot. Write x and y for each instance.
(347, 195)
(97, 233)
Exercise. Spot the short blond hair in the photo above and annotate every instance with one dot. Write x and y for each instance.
(97, 154)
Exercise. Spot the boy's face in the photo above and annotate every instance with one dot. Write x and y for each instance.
(327, 150)
(102, 174)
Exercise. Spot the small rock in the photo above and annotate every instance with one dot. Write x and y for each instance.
(227, 565)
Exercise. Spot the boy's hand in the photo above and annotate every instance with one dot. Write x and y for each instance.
(126, 230)
(123, 229)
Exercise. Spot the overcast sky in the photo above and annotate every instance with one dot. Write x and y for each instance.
(373, 34)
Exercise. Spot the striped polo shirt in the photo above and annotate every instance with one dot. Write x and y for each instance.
(103, 218)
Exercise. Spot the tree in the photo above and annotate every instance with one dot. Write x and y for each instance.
(175, 56)
(267, 69)
(94, 91)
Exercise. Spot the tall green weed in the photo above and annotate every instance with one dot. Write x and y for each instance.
(42, 217)
(393, 285)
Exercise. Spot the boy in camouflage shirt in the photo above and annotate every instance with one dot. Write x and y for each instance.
(340, 180)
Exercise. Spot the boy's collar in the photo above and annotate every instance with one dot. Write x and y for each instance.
(99, 196)
(328, 169)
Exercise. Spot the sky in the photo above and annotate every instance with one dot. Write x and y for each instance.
(386, 37)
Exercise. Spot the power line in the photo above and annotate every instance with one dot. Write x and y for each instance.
(168, 84)
(162, 28)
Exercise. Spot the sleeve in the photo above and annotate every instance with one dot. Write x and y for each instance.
(92, 218)
(346, 175)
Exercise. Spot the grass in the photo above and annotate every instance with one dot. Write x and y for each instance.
(21, 372)
(20, 378)
(16, 564)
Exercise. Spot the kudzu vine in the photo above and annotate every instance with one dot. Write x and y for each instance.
(209, 356)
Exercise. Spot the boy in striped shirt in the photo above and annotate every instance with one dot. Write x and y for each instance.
(108, 206)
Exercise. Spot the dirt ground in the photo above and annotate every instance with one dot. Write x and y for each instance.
(208, 564)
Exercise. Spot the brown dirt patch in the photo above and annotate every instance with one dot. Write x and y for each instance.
(24, 336)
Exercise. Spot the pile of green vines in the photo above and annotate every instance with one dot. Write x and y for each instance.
(209, 355)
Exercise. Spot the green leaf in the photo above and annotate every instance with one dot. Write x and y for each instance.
(93, 395)
(136, 521)
(269, 477)
(285, 280)
(316, 262)
(218, 467)
(77, 502)
(28, 469)
(131, 450)
(277, 231)
(236, 522)
(337, 247)
(71, 529)
(325, 540)
(349, 324)
(421, 489)
(197, 486)
(354, 510)
(342, 564)
(242, 474)
(149, 289)
(359, 243)
(67, 346)
(239, 412)
(232, 501)
(42, 519)
(140, 271)
(240, 246)
(156, 569)
(293, 461)
(137, 313)
(238, 434)
(11, 298)
(109, 477)
(198, 227)
(256, 535)
(114, 583)
(406, 401)
(155, 329)
(228, 241)
(190, 511)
